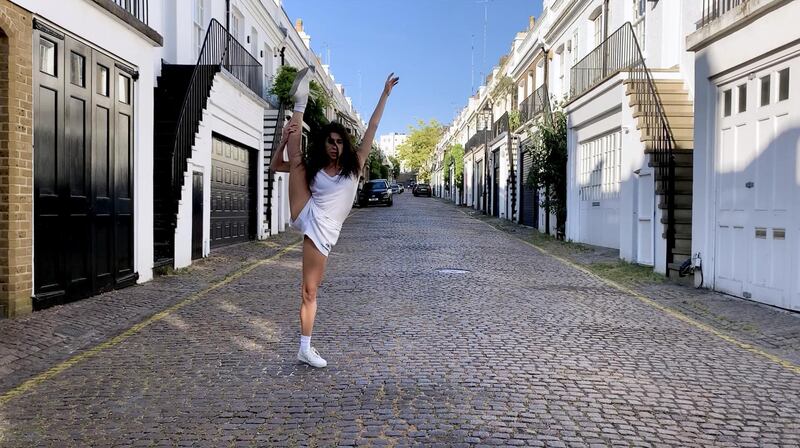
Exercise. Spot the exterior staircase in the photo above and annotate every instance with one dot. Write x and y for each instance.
(679, 112)
(172, 87)
(273, 128)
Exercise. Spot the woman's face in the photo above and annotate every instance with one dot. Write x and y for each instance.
(334, 146)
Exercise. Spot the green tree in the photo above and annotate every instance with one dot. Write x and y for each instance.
(418, 148)
(548, 170)
(395, 166)
(318, 102)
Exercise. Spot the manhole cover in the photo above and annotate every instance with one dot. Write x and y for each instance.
(451, 271)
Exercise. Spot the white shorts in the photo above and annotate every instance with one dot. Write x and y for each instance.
(320, 229)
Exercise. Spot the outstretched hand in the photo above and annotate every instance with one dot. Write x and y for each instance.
(391, 81)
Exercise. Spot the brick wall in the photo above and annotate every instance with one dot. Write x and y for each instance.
(16, 160)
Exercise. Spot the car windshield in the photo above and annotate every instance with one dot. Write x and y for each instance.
(375, 185)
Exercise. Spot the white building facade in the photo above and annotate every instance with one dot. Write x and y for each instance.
(746, 214)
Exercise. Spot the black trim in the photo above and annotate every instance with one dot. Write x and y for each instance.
(39, 25)
(134, 73)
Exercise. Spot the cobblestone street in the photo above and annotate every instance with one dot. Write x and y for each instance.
(439, 331)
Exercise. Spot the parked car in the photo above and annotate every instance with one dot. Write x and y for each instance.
(402, 189)
(422, 190)
(376, 191)
(396, 189)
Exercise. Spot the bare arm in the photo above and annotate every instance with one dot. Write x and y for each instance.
(277, 163)
(374, 121)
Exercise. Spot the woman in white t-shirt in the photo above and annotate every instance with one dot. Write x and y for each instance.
(321, 191)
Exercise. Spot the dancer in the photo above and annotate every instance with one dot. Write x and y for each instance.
(322, 187)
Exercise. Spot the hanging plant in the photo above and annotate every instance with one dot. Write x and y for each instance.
(548, 172)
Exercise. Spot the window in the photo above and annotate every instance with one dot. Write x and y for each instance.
(47, 57)
(783, 84)
(199, 25)
(123, 89)
(597, 25)
(727, 100)
(77, 69)
(102, 80)
(742, 98)
(765, 90)
(575, 48)
(254, 42)
(236, 25)
(600, 167)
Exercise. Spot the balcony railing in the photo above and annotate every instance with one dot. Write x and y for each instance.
(500, 126)
(714, 9)
(481, 137)
(136, 8)
(619, 52)
(534, 104)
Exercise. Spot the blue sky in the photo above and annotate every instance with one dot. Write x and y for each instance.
(426, 42)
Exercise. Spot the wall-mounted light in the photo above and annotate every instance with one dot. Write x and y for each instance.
(262, 54)
(248, 39)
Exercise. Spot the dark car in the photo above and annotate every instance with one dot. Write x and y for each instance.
(376, 191)
(422, 190)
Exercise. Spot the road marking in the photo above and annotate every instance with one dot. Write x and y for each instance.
(783, 362)
(116, 340)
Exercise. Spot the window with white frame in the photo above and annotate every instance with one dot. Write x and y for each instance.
(237, 25)
(596, 25)
(600, 162)
(199, 24)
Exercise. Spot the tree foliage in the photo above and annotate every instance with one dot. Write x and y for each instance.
(395, 166)
(454, 156)
(377, 169)
(318, 102)
(548, 172)
(416, 151)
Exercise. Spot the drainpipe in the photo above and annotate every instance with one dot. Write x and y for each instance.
(227, 14)
(605, 37)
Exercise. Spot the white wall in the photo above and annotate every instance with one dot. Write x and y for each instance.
(118, 40)
(238, 115)
(610, 222)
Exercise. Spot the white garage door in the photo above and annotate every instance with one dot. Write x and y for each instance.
(758, 186)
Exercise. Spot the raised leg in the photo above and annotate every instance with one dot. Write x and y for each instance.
(299, 193)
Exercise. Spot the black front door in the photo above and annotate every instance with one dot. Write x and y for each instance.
(83, 153)
(197, 215)
(496, 184)
(529, 203)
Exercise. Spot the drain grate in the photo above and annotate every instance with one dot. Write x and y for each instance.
(451, 271)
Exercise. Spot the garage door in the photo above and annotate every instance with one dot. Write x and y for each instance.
(83, 160)
(232, 193)
(758, 166)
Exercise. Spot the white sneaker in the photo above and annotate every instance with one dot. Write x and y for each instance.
(311, 357)
(300, 88)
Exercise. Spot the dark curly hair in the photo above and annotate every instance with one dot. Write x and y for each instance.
(318, 157)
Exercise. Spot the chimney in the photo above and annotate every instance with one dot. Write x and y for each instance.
(531, 22)
(298, 26)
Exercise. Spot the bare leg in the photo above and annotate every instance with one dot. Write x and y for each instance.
(299, 193)
(313, 271)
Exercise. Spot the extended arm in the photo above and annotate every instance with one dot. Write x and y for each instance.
(374, 121)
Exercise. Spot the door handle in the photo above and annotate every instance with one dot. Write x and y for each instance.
(750, 185)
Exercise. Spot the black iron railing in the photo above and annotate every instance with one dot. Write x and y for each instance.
(621, 52)
(713, 9)
(481, 137)
(220, 50)
(136, 8)
(500, 126)
(535, 104)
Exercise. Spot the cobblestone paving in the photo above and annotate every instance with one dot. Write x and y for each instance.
(771, 329)
(518, 350)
